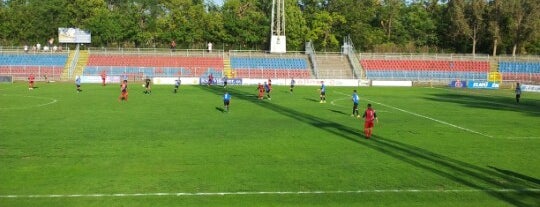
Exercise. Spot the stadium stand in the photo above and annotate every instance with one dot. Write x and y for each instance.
(270, 67)
(418, 70)
(520, 71)
(20, 66)
(333, 66)
(154, 65)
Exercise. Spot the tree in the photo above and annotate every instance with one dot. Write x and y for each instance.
(322, 29)
(245, 24)
(421, 27)
(467, 19)
(295, 26)
(389, 16)
(523, 22)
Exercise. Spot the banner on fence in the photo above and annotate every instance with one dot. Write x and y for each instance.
(97, 79)
(458, 84)
(171, 81)
(392, 83)
(220, 81)
(309, 82)
(530, 88)
(482, 84)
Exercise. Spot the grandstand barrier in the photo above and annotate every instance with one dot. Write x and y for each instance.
(21, 72)
(392, 83)
(97, 79)
(221, 81)
(172, 81)
(6, 79)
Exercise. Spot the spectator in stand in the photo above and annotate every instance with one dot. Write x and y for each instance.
(209, 46)
(173, 46)
(38, 47)
(25, 48)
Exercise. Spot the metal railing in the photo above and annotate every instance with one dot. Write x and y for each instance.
(157, 51)
(21, 72)
(348, 49)
(310, 51)
(423, 56)
(73, 63)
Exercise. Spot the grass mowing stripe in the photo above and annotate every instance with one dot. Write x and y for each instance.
(500, 190)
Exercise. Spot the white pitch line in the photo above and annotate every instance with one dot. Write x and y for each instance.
(427, 117)
(522, 137)
(32, 106)
(498, 190)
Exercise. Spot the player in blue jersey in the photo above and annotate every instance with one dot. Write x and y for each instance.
(226, 101)
(323, 92)
(177, 83)
(268, 89)
(147, 88)
(355, 100)
(293, 82)
(78, 83)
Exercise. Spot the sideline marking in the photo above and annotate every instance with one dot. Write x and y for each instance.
(427, 117)
(515, 107)
(498, 190)
(32, 106)
(522, 137)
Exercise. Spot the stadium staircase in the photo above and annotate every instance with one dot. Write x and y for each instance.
(67, 66)
(493, 65)
(77, 60)
(227, 69)
(334, 66)
(81, 62)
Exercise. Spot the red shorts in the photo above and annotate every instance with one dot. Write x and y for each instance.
(368, 124)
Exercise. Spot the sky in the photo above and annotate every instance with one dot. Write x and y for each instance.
(218, 2)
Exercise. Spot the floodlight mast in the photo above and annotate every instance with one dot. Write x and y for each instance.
(277, 27)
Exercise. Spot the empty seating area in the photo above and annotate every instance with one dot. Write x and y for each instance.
(270, 67)
(20, 66)
(425, 69)
(520, 71)
(153, 65)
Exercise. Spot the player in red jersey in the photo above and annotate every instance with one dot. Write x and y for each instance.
(31, 79)
(103, 77)
(369, 115)
(261, 91)
(124, 92)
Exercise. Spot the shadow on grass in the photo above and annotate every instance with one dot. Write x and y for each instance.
(489, 102)
(220, 109)
(311, 99)
(517, 175)
(336, 111)
(489, 181)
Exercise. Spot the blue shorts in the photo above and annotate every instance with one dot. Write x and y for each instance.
(226, 103)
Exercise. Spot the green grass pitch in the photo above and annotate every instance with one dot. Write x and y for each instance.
(431, 147)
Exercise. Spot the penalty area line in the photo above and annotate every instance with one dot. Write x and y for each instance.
(499, 190)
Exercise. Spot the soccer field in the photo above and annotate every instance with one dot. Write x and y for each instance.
(431, 147)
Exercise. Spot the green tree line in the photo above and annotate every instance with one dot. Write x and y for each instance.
(449, 26)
